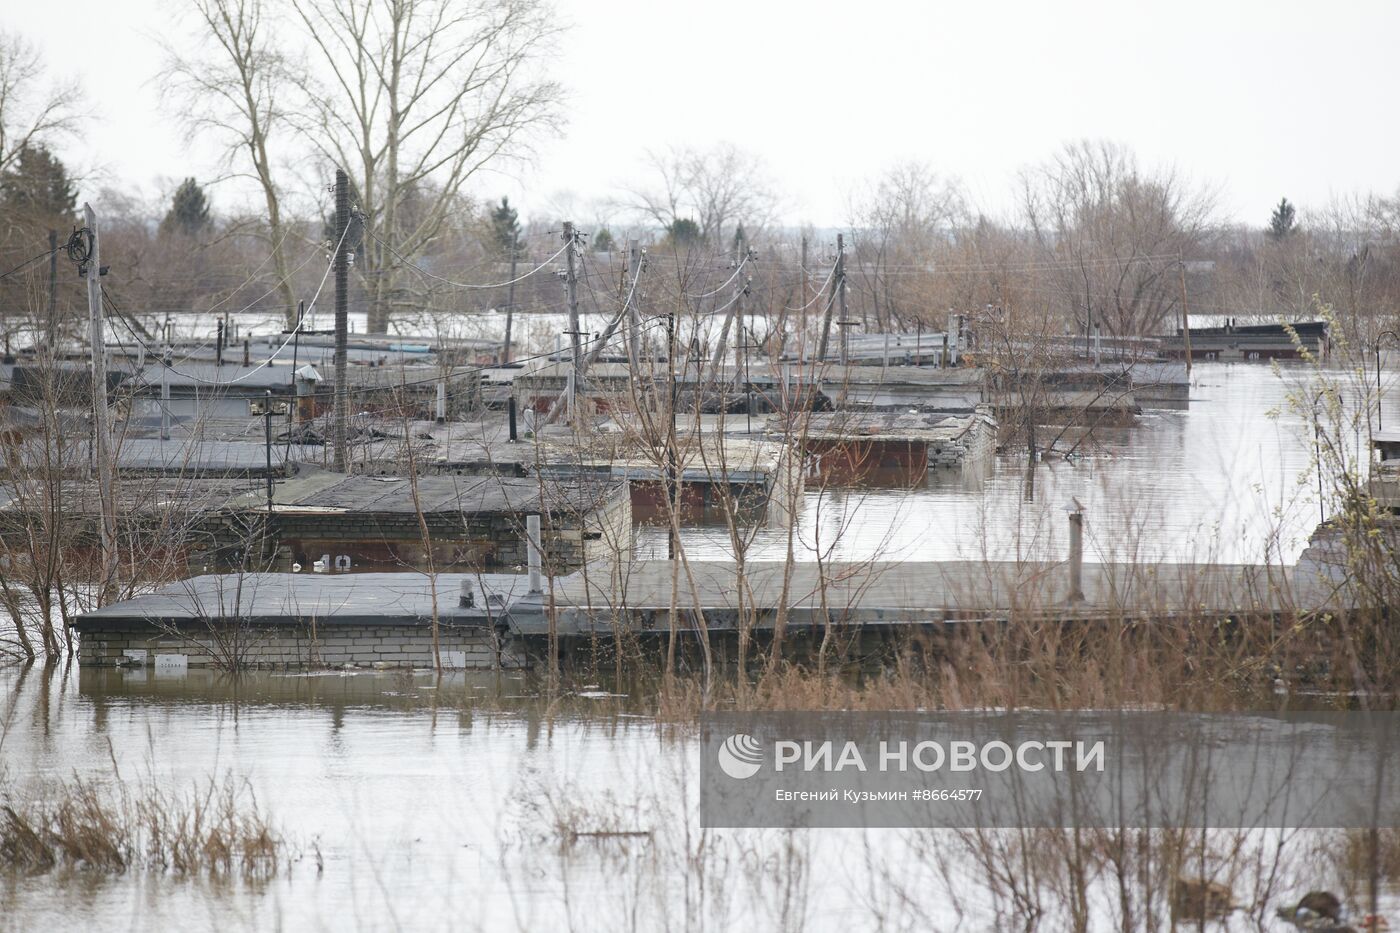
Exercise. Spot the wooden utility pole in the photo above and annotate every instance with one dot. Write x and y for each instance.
(838, 288)
(101, 414)
(577, 375)
(781, 331)
(634, 316)
(510, 293)
(1185, 316)
(342, 320)
(841, 285)
(802, 302)
(571, 283)
(51, 331)
(736, 310)
(672, 474)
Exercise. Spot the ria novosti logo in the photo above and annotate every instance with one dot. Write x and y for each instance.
(740, 756)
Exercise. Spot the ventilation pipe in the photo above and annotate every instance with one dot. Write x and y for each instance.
(1076, 551)
(532, 534)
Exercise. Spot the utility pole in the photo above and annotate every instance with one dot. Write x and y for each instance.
(165, 395)
(1185, 317)
(736, 311)
(634, 316)
(52, 330)
(747, 345)
(841, 277)
(101, 414)
(671, 474)
(510, 293)
(342, 318)
(296, 340)
(267, 450)
(577, 374)
(570, 396)
(845, 326)
(781, 331)
(838, 288)
(802, 301)
(571, 283)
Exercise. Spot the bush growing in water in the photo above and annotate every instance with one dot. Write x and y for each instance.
(217, 830)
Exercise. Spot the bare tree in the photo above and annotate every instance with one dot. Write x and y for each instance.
(413, 98)
(720, 189)
(236, 94)
(32, 110)
(900, 224)
(1114, 233)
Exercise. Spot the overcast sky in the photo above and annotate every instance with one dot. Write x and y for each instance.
(1257, 100)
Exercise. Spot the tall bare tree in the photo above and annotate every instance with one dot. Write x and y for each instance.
(1114, 233)
(899, 226)
(233, 79)
(719, 188)
(414, 98)
(32, 109)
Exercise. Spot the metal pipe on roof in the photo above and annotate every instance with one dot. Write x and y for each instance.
(1076, 553)
(532, 534)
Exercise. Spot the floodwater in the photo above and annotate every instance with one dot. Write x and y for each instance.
(411, 802)
(415, 802)
(1227, 478)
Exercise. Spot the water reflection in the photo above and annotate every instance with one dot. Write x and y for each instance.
(1225, 479)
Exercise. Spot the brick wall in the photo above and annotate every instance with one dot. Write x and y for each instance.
(292, 646)
(487, 541)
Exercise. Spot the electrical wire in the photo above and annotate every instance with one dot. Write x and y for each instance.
(237, 379)
(724, 307)
(738, 269)
(366, 390)
(821, 290)
(246, 308)
(29, 262)
(253, 275)
(424, 272)
(596, 338)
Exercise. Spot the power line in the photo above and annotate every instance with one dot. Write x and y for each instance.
(424, 272)
(737, 270)
(237, 379)
(254, 273)
(821, 290)
(29, 262)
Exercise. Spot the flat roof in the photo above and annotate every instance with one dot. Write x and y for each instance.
(874, 593)
(889, 426)
(287, 598)
(323, 491)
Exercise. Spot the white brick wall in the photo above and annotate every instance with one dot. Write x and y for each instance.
(293, 647)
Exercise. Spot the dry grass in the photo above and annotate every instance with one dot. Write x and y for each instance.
(217, 830)
(1103, 664)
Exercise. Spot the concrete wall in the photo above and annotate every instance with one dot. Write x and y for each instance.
(487, 541)
(292, 646)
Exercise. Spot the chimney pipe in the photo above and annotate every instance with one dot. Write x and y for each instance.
(247, 356)
(512, 419)
(532, 534)
(165, 396)
(441, 401)
(219, 343)
(1076, 553)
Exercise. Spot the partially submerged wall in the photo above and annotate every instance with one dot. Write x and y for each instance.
(230, 645)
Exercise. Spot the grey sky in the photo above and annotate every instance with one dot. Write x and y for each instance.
(1257, 100)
